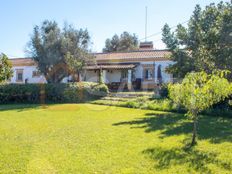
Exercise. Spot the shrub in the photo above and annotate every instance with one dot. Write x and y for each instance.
(140, 102)
(161, 92)
(84, 91)
(55, 93)
(132, 104)
(164, 91)
(19, 93)
(162, 105)
(52, 92)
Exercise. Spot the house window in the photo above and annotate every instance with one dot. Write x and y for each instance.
(19, 75)
(124, 74)
(148, 74)
(35, 74)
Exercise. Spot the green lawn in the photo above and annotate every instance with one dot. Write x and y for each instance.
(85, 138)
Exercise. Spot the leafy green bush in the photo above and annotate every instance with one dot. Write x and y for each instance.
(164, 91)
(55, 93)
(139, 102)
(84, 91)
(19, 93)
(161, 105)
(161, 92)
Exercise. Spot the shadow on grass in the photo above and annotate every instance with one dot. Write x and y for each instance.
(192, 158)
(20, 107)
(214, 129)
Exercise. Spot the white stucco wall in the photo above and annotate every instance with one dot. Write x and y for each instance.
(91, 76)
(138, 72)
(165, 76)
(114, 76)
(27, 74)
(111, 76)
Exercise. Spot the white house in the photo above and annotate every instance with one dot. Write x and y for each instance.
(25, 71)
(142, 69)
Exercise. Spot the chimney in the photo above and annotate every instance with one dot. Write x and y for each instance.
(146, 46)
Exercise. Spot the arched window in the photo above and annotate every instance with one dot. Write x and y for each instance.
(159, 74)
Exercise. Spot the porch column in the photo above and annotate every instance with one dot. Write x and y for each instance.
(129, 83)
(104, 76)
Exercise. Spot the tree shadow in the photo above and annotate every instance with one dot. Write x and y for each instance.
(214, 129)
(153, 122)
(20, 107)
(192, 158)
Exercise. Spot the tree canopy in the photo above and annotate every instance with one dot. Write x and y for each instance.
(124, 42)
(205, 44)
(5, 68)
(55, 50)
(199, 91)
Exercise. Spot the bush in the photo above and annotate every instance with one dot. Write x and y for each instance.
(84, 91)
(53, 93)
(139, 102)
(224, 105)
(19, 93)
(161, 92)
(164, 91)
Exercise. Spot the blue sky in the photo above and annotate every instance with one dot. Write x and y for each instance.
(103, 18)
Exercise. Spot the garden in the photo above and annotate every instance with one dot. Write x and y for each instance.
(79, 127)
(87, 138)
(42, 130)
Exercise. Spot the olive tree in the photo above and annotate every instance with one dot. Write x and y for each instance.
(59, 52)
(199, 91)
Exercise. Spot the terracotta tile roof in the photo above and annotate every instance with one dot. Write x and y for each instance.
(94, 67)
(23, 62)
(121, 57)
(134, 55)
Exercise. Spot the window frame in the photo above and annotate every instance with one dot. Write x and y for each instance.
(19, 71)
(35, 74)
(148, 74)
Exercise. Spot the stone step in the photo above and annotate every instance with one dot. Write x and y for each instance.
(115, 99)
(120, 95)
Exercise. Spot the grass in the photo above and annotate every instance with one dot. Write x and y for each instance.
(86, 138)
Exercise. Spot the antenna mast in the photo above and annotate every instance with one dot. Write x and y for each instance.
(146, 25)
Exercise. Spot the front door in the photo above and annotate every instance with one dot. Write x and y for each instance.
(124, 75)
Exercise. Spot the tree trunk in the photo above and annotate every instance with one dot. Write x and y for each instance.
(78, 77)
(194, 131)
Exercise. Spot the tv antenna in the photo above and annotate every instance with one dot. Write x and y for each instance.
(146, 24)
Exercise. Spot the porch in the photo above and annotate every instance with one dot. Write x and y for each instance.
(117, 77)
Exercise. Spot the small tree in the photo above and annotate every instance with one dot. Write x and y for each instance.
(124, 42)
(199, 91)
(5, 68)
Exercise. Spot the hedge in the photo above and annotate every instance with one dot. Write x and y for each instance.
(51, 93)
